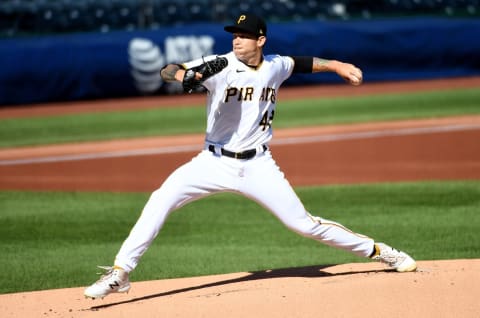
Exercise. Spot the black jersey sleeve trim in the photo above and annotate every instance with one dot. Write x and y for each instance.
(303, 64)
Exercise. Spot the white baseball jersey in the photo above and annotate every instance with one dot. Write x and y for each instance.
(241, 106)
(241, 101)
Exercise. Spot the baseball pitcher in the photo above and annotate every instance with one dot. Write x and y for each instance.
(242, 89)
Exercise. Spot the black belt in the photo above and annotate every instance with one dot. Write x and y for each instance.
(247, 154)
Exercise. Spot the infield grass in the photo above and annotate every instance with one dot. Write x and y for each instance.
(185, 120)
(55, 239)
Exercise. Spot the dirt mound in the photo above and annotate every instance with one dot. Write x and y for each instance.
(437, 289)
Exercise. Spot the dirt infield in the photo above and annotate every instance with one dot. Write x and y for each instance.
(438, 289)
(430, 149)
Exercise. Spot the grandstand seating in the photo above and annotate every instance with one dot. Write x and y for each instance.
(37, 17)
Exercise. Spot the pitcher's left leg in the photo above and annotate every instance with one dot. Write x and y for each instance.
(266, 184)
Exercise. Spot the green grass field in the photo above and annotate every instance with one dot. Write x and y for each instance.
(54, 239)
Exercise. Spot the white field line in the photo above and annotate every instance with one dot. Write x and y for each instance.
(278, 141)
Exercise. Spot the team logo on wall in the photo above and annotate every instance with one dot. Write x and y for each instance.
(146, 62)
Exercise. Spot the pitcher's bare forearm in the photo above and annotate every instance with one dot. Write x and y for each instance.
(324, 65)
(321, 65)
(172, 73)
(347, 71)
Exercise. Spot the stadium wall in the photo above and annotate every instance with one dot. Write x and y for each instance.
(121, 64)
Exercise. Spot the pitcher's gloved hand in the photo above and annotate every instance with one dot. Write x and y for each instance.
(191, 80)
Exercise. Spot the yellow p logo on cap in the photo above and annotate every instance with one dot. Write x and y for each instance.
(242, 17)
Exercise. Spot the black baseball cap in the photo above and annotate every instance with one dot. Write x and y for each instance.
(248, 23)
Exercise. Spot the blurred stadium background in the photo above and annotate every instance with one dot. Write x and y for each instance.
(36, 17)
(64, 50)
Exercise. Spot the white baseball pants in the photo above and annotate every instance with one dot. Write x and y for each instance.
(259, 179)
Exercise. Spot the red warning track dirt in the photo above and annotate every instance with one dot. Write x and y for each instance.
(429, 149)
(432, 149)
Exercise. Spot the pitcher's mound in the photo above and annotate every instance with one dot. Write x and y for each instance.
(438, 289)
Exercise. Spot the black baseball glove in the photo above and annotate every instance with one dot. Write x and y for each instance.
(207, 69)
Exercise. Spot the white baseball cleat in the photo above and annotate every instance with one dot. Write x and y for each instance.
(114, 280)
(394, 258)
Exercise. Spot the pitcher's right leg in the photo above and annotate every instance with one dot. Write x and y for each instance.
(189, 182)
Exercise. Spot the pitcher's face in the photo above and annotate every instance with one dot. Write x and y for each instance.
(246, 46)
